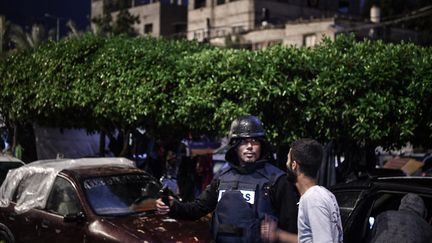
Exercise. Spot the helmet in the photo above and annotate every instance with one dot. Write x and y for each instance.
(246, 127)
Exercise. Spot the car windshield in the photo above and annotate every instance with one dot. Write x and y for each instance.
(121, 194)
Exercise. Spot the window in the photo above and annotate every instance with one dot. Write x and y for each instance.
(121, 194)
(238, 29)
(180, 28)
(219, 2)
(197, 35)
(347, 201)
(26, 187)
(63, 199)
(200, 3)
(309, 40)
(148, 28)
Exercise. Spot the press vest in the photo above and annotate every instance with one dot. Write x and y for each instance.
(243, 201)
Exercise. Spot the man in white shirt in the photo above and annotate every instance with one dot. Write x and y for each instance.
(318, 217)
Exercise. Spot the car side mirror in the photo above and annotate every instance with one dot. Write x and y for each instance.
(74, 217)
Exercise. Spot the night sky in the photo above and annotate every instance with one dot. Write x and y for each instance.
(27, 12)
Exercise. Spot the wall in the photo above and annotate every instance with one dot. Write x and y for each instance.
(295, 32)
(240, 14)
(148, 14)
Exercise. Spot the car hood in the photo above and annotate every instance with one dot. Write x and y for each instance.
(159, 228)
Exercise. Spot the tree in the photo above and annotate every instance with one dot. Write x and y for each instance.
(358, 94)
(122, 23)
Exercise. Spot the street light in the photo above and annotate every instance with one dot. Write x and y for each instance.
(58, 24)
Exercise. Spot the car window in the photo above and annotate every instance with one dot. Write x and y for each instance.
(121, 194)
(63, 199)
(362, 220)
(21, 191)
(347, 201)
(381, 201)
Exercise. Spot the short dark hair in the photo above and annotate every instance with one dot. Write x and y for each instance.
(308, 153)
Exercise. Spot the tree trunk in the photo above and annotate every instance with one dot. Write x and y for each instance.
(125, 149)
(102, 144)
(14, 137)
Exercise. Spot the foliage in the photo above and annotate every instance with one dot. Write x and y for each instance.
(123, 22)
(22, 40)
(355, 93)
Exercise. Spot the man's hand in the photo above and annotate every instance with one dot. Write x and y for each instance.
(269, 230)
(161, 207)
(271, 233)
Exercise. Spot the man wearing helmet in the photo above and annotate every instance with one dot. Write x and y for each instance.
(245, 192)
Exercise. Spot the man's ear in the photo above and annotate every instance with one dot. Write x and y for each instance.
(294, 165)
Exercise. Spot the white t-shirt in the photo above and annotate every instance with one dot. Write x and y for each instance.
(319, 218)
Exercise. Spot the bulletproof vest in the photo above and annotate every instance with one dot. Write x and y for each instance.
(243, 201)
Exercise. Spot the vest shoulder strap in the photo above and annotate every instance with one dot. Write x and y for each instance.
(271, 172)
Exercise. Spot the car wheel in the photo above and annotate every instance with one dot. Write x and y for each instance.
(6, 235)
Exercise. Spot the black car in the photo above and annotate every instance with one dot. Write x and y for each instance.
(362, 200)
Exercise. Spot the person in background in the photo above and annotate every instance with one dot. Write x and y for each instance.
(245, 192)
(169, 178)
(204, 170)
(318, 217)
(407, 224)
(186, 175)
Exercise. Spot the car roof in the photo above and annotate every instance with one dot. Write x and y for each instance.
(96, 171)
(61, 164)
(405, 181)
(418, 181)
(39, 177)
(7, 158)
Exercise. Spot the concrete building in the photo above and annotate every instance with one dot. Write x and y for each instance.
(208, 20)
(156, 18)
(255, 24)
(312, 32)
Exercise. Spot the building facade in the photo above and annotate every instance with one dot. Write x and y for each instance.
(255, 24)
(258, 23)
(156, 18)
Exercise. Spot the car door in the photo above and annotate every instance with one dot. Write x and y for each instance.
(21, 225)
(351, 203)
(51, 226)
(347, 200)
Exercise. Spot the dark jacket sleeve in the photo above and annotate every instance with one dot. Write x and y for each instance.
(206, 203)
(284, 198)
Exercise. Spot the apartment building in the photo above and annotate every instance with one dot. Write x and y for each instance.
(208, 20)
(156, 18)
(255, 24)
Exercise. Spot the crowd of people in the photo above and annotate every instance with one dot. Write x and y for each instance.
(185, 167)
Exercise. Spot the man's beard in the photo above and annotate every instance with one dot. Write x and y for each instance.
(291, 176)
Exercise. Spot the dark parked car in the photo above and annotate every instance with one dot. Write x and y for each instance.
(88, 200)
(7, 163)
(362, 200)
